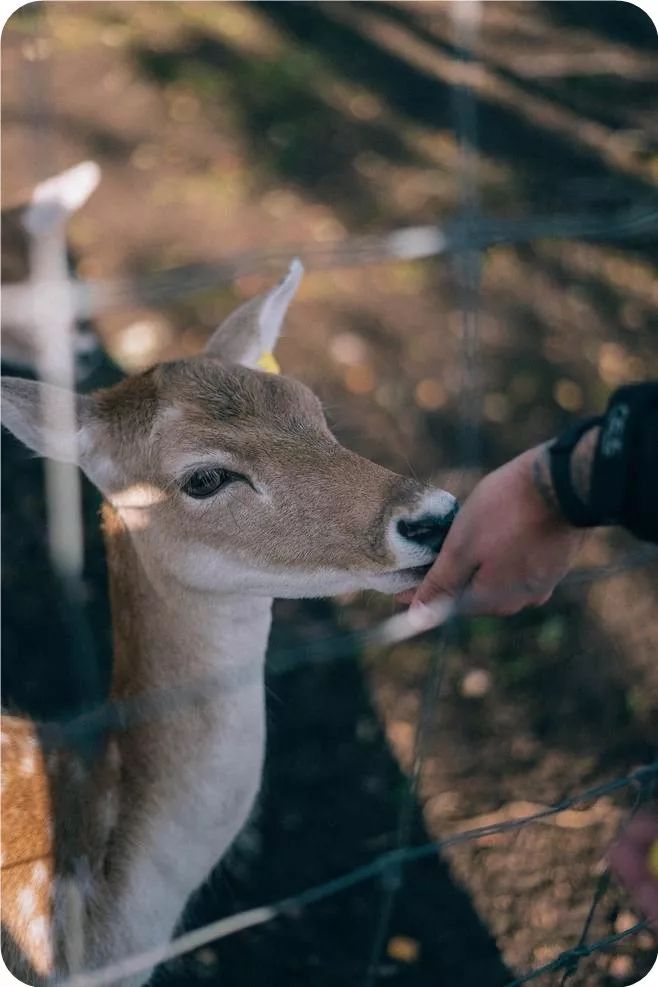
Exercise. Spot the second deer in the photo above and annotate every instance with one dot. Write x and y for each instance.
(223, 488)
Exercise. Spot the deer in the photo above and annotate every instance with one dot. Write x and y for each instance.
(223, 488)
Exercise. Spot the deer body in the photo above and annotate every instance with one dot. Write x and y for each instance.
(224, 488)
(188, 776)
(179, 784)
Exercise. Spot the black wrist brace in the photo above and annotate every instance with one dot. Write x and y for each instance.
(572, 507)
(613, 462)
(615, 459)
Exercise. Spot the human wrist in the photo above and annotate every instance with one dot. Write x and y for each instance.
(542, 481)
(582, 462)
(566, 464)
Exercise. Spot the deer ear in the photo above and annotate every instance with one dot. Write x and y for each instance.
(253, 329)
(55, 423)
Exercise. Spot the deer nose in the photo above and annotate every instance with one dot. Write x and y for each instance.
(430, 530)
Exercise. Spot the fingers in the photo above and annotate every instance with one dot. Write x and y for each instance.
(497, 594)
(450, 573)
(480, 593)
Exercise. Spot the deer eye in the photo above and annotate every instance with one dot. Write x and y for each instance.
(206, 482)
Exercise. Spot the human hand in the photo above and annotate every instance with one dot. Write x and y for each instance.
(507, 548)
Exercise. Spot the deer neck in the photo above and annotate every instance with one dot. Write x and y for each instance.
(167, 634)
(188, 676)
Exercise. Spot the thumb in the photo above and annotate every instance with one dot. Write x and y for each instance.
(448, 577)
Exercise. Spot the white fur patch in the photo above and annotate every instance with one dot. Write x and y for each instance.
(27, 765)
(40, 945)
(39, 873)
(38, 930)
(134, 503)
(27, 902)
(139, 495)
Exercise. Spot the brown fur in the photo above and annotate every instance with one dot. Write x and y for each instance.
(274, 430)
(27, 838)
(191, 584)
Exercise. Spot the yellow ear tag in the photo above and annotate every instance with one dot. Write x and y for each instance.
(267, 362)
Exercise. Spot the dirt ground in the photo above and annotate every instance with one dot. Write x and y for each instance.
(230, 127)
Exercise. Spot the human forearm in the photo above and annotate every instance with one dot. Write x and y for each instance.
(519, 531)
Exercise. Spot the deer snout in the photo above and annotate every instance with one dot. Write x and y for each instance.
(421, 531)
(429, 531)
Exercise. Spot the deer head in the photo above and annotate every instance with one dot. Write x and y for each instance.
(228, 476)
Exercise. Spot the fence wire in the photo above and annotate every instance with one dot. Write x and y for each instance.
(390, 861)
(389, 866)
(393, 878)
(82, 731)
(464, 240)
(601, 887)
(153, 704)
(93, 297)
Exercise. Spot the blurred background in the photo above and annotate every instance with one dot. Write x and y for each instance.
(232, 136)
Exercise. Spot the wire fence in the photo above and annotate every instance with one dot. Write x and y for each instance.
(84, 302)
(465, 242)
(640, 781)
(90, 298)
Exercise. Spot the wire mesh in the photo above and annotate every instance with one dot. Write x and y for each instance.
(465, 242)
(83, 731)
(390, 861)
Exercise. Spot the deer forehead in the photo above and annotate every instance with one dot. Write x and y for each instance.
(151, 429)
(210, 392)
(198, 398)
